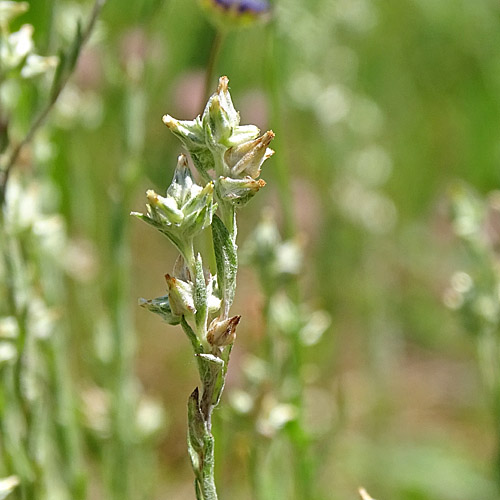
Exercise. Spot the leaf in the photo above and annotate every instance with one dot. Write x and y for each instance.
(58, 76)
(161, 306)
(226, 259)
(208, 485)
(200, 294)
(220, 379)
(196, 429)
(76, 46)
(212, 359)
(162, 229)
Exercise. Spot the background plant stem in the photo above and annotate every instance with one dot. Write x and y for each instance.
(215, 50)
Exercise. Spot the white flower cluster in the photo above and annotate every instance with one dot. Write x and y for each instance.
(17, 48)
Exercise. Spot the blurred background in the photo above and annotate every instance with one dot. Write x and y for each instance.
(378, 109)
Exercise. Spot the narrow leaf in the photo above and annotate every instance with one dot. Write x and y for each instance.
(196, 425)
(58, 76)
(226, 259)
(220, 379)
(161, 306)
(162, 229)
(212, 359)
(208, 484)
(200, 294)
(75, 48)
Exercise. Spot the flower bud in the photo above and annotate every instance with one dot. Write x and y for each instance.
(248, 157)
(182, 188)
(167, 207)
(198, 212)
(222, 333)
(180, 296)
(220, 118)
(238, 191)
(221, 122)
(226, 102)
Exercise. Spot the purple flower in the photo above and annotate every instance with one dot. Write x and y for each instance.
(243, 6)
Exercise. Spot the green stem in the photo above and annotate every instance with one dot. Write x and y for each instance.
(205, 481)
(228, 216)
(208, 488)
(188, 254)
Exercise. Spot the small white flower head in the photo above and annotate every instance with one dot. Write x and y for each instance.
(221, 123)
(461, 282)
(9, 10)
(186, 209)
(16, 47)
(37, 65)
(150, 418)
(218, 143)
(277, 259)
(220, 118)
